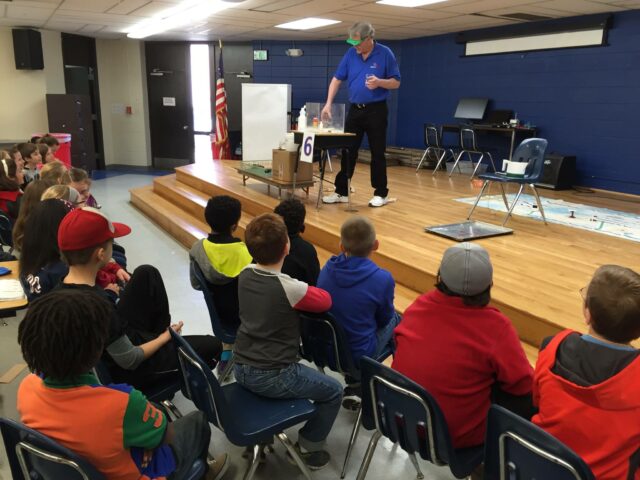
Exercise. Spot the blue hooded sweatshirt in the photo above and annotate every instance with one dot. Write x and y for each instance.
(362, 296)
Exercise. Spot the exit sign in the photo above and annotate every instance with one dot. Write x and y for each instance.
(260, 55)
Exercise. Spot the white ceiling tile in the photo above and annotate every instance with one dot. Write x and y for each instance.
(96, 6)
(36, 14)
(279, 5)
(126, 7)
(92, 28)
(255, 19)
(152, 8)
(324, 8)
(479, 6)
(579, 7)
(64, 26)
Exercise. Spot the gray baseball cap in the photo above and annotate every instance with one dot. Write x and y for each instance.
(466, 269)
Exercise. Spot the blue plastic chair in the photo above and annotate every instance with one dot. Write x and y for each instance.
(532, 151)
(161, 393)
(324, 343)
(34, 456)
(247, 419)
(223, 333)
(516, 449)
(405, 413)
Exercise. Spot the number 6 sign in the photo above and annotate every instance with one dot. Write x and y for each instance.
(307, 147)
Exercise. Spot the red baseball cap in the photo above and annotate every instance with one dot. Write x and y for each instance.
(85, 227)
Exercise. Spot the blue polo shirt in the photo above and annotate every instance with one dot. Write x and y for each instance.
(381, 62)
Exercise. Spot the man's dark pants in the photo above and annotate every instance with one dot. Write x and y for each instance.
(372, 120)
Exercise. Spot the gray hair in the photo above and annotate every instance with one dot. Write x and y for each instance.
(364, 29)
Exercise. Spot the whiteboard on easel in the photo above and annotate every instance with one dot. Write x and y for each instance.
(306, 152)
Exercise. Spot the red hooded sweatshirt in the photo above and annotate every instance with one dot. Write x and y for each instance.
(601, 423)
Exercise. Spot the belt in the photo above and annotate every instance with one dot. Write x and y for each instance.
(361, 106)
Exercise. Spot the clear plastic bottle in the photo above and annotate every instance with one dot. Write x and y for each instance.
(302, 119)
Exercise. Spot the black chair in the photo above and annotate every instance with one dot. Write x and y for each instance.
(325, 344)
(405, 413)
(222, 332)
(469, 145)
(247, 419)
(532, 151)
(161, 393)
(433, 142)
(6, 227)
(517, 449)
(34, 456)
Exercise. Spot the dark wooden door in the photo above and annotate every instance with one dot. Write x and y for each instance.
(81, 78)
(170, 110)
(72, 114)
(238, 69)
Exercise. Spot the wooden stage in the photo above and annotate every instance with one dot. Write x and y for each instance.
(538, 270)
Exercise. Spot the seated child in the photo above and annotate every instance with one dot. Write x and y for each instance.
(268, 339)
(302, 261)
(32, 158)
(113, 427)
(41, 268)
(11, 177)
(362, 292)
(139, 351)
(221, 257)
(461, 350)
(587, 387)
(82, 183)
(51, 142)
(15, 154)
(62, 192)
(45, 153)
(56, 172)
(32, 196)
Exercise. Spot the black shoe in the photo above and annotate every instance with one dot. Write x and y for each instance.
(352, 404)
(313, 460)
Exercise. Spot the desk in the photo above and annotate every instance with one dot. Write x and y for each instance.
(9, 307)
(512, 131)
(323, 142)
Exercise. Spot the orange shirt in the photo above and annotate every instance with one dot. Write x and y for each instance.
(109, 426)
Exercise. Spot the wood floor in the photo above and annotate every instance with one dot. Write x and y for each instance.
(538, 270)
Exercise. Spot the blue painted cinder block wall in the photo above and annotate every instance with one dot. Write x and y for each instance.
(310, 74)
(585, 101)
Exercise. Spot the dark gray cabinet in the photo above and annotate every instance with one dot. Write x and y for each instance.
(72, 114)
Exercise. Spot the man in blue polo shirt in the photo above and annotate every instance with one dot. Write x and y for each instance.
(370, 70)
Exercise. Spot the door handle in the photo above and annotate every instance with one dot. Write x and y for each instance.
(185, 127)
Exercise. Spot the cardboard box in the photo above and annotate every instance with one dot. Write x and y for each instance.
(283, 164)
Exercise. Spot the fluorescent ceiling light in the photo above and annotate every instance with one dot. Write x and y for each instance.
(307, 23)
(187, 12)
(409, 3)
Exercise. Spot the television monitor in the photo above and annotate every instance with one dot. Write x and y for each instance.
(471, 108)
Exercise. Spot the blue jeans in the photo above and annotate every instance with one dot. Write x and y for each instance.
(298, 381)
(385, 335)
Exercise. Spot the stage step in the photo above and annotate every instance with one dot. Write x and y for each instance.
(179, 209)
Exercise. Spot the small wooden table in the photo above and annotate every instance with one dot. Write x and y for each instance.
(10, 307)
(255, 173)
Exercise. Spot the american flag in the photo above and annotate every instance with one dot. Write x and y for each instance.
(221, 149)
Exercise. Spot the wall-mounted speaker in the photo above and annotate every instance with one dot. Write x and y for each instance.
(27, 49)
(559, 172)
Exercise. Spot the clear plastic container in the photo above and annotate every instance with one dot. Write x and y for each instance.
(315, 122)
